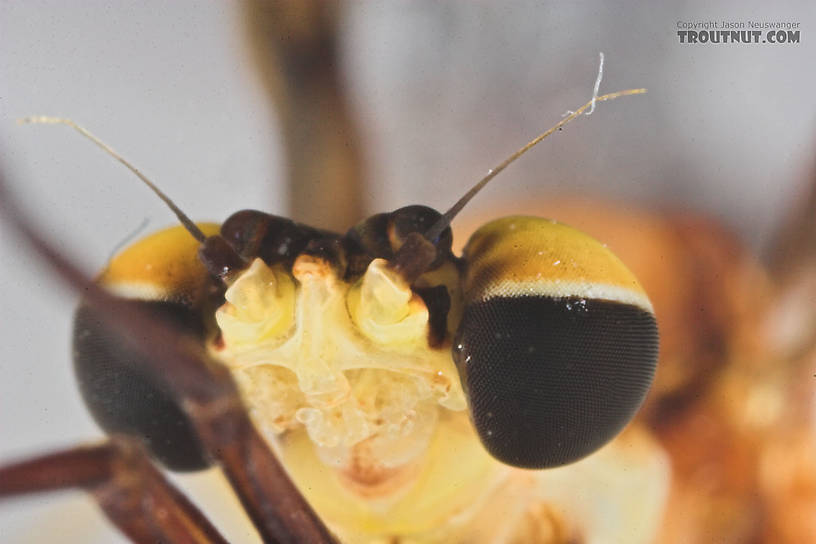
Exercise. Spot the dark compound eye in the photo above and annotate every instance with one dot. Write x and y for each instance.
(549, 381)
(125, 398)
(556, 348)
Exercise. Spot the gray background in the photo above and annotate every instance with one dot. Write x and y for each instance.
(443, 93)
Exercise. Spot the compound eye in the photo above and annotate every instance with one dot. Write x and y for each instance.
(557, 345)
(123, 397)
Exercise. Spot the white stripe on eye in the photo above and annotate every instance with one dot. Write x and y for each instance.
(560, 289)
(137, 290)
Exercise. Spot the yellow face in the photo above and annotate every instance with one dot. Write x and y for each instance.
(370, 420)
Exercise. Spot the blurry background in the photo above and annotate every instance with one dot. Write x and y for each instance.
(442, 92)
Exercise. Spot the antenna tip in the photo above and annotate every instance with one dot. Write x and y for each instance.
(43, 120)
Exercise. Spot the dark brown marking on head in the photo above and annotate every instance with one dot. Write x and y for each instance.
(396, 237)
(330, 250)
(254, 234)
(438, 301)
(414, 258)
(220, 259)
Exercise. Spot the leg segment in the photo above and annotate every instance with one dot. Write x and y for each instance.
(134, 495)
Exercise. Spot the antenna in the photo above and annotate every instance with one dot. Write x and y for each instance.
(188, 224)
(444, 222)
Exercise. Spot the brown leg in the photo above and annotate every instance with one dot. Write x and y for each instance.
(208, 393)
(134, 495)
(297, 52)
(791, 260)
(793, 246)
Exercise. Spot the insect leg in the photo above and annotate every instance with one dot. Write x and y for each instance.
(296, 46)
(207, 393)
(791, 259)
(134, 495)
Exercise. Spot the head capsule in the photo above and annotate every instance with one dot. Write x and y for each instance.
(557, 345)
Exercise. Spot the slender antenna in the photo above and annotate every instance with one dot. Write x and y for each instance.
(597, 84)
(443, 222)
(185, 221)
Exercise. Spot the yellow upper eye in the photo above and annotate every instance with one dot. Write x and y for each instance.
(520, 255)
(164, 264)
